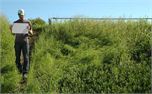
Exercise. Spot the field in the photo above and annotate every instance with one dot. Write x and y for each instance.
(81, 56)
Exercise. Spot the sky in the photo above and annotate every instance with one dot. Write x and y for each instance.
(70, 8)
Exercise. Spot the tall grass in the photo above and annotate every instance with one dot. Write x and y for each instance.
(9, 77)
(92, 57)
(83, 57)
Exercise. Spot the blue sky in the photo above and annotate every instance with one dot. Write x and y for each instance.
(70, 8)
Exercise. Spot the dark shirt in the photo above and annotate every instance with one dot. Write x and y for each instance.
(22, 37)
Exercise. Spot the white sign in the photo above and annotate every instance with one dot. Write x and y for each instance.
(20, 28)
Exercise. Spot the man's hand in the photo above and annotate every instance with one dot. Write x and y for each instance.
(11, 29)
(30, 32)
(28, 27)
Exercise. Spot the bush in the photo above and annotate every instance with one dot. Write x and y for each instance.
(84, 56)
(94, 57)
(9, 76)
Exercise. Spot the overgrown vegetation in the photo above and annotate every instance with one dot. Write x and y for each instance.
(84, 56)
(9, 76)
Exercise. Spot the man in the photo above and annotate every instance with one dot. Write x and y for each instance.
(22, 45)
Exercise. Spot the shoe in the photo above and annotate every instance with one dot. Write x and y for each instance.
(25, 76)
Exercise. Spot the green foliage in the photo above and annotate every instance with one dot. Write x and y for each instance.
(9, 76)
(37, 22)
(85, 56)
(93, 57)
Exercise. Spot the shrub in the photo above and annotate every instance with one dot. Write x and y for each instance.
(84, 56)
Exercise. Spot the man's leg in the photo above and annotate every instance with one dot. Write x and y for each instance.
(25, 50)
(18, 54)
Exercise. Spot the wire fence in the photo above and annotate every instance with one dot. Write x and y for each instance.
(61, 19)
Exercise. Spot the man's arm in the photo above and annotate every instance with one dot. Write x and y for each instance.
(30, 28)
(11, 29)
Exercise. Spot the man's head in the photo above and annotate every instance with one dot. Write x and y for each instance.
(21, 14)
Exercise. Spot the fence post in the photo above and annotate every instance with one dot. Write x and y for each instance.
(50, 21)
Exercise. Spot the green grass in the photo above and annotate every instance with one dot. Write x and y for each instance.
(85, 57)
(9, 77)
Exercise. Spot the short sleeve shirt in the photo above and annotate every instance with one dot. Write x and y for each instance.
(22, 37)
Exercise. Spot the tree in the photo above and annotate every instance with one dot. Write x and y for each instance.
(37, 22)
